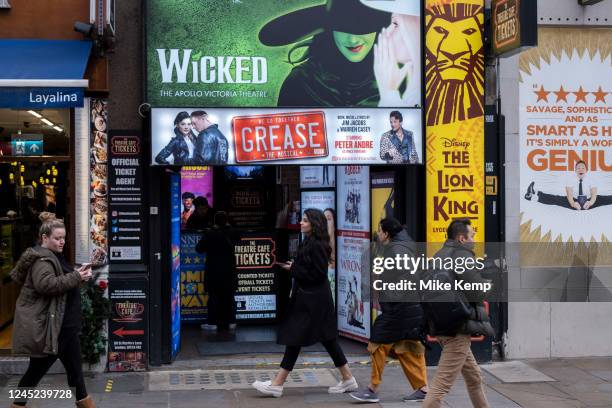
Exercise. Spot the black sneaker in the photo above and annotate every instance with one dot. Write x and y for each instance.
(365, 395)
(417, 396)
(530, 191)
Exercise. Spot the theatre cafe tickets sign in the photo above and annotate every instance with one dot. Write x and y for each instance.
(515, 26)
(202, 136)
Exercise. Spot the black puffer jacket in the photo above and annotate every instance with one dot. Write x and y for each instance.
(402, 316)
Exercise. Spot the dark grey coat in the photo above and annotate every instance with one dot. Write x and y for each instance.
(39, 312)
(478, 322)
(402, 317)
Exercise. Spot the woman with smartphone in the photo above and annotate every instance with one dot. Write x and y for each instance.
(311, 316)
(47, 318)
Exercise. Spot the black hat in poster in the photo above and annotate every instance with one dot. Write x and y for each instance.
(350, 16)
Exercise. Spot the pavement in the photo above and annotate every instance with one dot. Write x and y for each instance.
(224, 382)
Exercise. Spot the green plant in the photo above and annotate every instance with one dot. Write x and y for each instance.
(95, 311)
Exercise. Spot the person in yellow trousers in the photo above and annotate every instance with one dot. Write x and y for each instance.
(399, 331)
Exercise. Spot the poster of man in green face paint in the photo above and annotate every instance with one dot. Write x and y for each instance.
(283, 53)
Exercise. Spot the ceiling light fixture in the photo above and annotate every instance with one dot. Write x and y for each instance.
(59, 129)
(48, 122)
(34, 113)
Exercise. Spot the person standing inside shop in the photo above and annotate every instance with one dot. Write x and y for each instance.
(400, 330)
(202, 216)
(48, 312)
(220, 279)
(311, 316)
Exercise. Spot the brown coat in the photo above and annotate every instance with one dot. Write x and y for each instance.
(40, 306)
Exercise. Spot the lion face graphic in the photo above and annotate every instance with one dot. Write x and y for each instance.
(454, 63)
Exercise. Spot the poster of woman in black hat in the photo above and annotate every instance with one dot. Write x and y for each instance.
(332, 57)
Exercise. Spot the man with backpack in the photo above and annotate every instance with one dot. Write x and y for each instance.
(453, 316)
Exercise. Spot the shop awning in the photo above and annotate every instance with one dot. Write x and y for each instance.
(41, 74)
(43, 63)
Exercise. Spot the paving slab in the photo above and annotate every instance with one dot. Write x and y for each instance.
(515, 372)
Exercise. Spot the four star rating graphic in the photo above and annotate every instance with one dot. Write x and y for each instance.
(562, 94)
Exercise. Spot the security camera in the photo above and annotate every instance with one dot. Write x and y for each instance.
(83, 28)
(26, 124)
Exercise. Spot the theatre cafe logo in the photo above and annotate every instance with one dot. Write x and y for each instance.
(129, 311)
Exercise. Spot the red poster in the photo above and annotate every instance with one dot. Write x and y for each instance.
(281, 136)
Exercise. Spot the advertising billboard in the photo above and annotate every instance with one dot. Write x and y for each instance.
(194, 299)
(353, 198)
(271, 53)
(317, 177)
(196, 181)
(202, 136)
(257, 281)
(565, 155)
(175, 264)
(454, 106)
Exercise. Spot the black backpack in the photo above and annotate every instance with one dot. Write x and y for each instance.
(445, 310)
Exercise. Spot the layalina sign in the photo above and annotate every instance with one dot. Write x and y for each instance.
(41, 98)
(281, 52)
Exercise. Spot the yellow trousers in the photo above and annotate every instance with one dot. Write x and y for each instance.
(411, 355)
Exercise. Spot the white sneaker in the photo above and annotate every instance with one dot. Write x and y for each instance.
(344, 386)
(266, 387)
(208, 326)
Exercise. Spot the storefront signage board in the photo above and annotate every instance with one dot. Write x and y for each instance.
(127, 326)
(41, 98)
(125, 196)
(257, 277)
(515, 26)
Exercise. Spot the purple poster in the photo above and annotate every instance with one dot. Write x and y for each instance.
(196, 181)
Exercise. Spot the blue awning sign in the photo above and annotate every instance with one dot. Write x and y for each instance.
(57, 82)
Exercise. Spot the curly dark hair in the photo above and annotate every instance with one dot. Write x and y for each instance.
(319, 227)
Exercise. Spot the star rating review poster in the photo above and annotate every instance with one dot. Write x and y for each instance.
(565, 136)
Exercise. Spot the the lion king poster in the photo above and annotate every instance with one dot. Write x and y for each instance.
(454, 104)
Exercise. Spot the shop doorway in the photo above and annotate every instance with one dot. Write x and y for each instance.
(35, 176)
(264, 204)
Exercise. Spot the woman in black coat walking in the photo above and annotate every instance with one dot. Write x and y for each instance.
(311, 316)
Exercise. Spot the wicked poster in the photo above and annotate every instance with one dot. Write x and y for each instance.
(283, 53)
